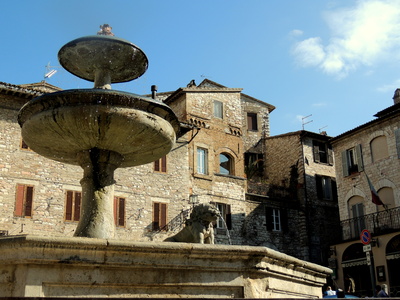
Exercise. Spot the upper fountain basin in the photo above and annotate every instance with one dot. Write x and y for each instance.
(89, 55)
(60, 125)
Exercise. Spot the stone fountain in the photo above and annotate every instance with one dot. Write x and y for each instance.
(101, 130)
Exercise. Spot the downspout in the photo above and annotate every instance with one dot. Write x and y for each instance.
(305, 198)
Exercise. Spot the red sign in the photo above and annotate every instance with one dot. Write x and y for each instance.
(365, 237)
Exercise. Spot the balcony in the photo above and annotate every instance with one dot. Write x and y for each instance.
(377, 223)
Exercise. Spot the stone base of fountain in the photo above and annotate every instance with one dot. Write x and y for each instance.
(32, 266)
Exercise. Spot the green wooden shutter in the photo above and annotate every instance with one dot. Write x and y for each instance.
(345, 164)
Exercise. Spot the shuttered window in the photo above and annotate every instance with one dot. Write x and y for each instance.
(252, 121)
(73, 206)
(326, 187)
(322, 152)
(225, 211)
(23, 201)
(352, 161)
(119, 211)
(160, 165)
(160, 216)
(276, 219)
(218, 109)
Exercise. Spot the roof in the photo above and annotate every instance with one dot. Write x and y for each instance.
(382, 115)
(302, 133)
(19, 91)
(210, 86)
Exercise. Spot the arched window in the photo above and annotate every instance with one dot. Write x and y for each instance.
(357, 212)
(379, 148)
(387, 197)
(225, 164)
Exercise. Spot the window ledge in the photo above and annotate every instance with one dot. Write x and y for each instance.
(229, 176)
(203, 176)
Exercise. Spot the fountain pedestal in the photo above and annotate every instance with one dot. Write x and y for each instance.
(81, 267)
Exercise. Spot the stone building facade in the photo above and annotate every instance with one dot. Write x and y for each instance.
(369, 152)
(300, 197)
(41, 196)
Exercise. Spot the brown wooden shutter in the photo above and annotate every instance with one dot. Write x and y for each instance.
(19, 201)
(28, 201)
(68, 206)
(121, 212)
(157, 165)
(164, 164)
(318, 182)
(77, 206)
(163, 216)
(156, 216)
(316, 151)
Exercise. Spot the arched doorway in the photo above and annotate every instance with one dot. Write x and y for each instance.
(354, 264)
(393, 265)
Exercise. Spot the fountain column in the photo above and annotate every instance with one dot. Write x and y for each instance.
(97, 216)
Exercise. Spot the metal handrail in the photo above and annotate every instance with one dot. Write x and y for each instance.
(377, 223)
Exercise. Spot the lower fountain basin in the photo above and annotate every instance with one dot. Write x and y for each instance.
(60, 125)
(82, 268)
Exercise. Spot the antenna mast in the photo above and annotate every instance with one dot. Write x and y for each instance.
(304, 123)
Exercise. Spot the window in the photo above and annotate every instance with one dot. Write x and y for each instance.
(160, 165)
(119, 211)
(225, 164)
(253, 164)
(357, 215)
(352, 161)
(276, 219)
(379, 148)
(160, 216)
(326, 187)
(24, 201)
(202, 161)
(225, 222)
(387, 197)
(218, 109)
(252, 121)
(73, 206)
(322, 152)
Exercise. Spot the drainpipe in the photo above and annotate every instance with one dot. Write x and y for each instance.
(305, 198)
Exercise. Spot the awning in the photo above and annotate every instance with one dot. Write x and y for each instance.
(354, 262)
(393, 255)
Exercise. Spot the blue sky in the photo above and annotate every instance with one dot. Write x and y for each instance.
(336, 60)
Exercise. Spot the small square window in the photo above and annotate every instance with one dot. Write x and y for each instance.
(252, 122)
(218, 109)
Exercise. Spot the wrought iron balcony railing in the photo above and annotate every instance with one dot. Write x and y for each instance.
(377, 223)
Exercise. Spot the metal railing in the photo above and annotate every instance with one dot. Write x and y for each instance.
(377, 223)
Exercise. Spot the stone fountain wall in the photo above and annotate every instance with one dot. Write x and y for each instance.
(33, 266)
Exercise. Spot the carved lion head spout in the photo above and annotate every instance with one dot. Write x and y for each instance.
(205, 212)
(199, 227)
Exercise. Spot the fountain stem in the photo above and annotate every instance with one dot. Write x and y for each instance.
(97, 216)
(102, 79)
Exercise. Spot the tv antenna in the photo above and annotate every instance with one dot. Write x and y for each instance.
(320, 130)
(304, 123)
(50, 71)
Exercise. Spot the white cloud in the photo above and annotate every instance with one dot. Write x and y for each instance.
(319, 104)
(360, 35)
(389, 87)
(296, 33)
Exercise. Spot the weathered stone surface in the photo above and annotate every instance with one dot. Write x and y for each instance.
(80, 267)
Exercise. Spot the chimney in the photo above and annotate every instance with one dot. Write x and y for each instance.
(396, 97)
(153, 91)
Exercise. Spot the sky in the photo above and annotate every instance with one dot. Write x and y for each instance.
(326, 65)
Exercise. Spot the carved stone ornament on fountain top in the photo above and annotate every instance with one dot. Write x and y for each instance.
(99, 129)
